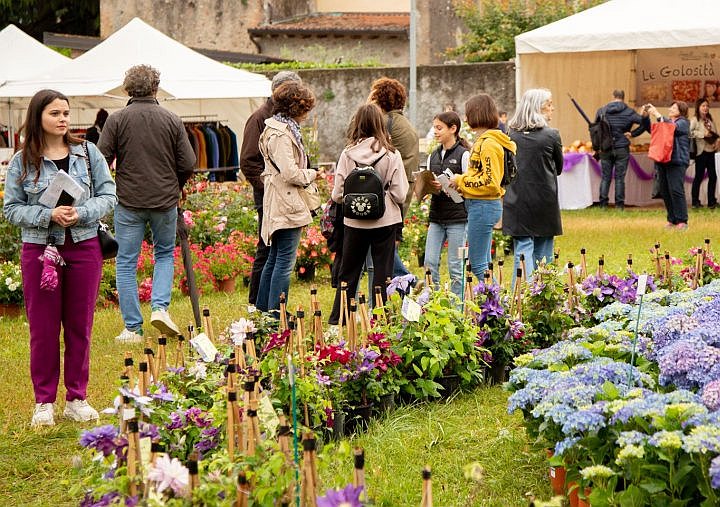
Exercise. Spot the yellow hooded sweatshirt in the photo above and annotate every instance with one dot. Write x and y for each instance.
(485, 171)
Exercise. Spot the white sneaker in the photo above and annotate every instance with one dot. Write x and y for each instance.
(80, 410)
(128, 336)
(162, 321)
(44, 415)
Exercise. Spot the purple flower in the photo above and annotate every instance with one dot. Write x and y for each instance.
(162, 393)
(198, 417)
(715, 472)
(323, 380)
(349, 496)
(711, 395)
(170, 474)
(177, 421)
(209, 439)
(101, 438)
(401, 284)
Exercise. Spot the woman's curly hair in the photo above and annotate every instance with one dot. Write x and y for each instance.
(141, 81)
(388, 93)
(292, 99)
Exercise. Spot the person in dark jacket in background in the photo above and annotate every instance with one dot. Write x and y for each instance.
(252, 165)
(672, 173)
(154, 160)
(93, 133)
(621, 118)
(531, 209)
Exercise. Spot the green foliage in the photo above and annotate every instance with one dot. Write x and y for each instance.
(10, 242)
(295, 65)
(493, 26)
(81, 17)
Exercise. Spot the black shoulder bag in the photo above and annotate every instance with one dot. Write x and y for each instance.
(108, 243)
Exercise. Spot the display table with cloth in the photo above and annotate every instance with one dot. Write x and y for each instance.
(579, 183)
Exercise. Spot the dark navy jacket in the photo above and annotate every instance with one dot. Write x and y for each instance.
(621, 118)
(444, 210)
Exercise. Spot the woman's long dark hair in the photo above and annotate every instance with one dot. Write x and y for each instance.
(34, 144)
(368, 121)
(451, 118)
(699, 103)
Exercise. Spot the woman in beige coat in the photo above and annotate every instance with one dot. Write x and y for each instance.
(286, 172)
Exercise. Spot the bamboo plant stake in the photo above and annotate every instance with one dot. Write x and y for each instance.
(207, 324)
(467, 291)
(379, 304)
(698, 267)
(283, 313)
(150, 359)
(707, 246)
(523, 268)
(490, 271)
(129, 370)
(427, 500)
(428, 279)
(515, 300)
(501, 265)
(161, 363)
(133, 459)
(629, 263)
(243, 490)
(365, 325)
(571, 285)
(230, 425)
(668, 270)
(249, 349)
(180, 352)
(240, 357)
(127, 409)
(359, 472)
(314, 303)
(284, 438)
(318, 337)
(583, 264)
(192, 466)
(300, 331)
(601, 266)
(309, 471)
(658, 269)
(352, 325)
(343, 318)
(143, 380)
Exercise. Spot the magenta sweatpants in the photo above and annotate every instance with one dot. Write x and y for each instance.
(71, 305)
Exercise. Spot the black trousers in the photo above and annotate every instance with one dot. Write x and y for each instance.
(261, 251)
(356, 242)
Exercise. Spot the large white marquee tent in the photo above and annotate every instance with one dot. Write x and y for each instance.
(190, 83)
(606, 47)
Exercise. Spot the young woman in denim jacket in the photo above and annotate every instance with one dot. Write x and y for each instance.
(49, 148)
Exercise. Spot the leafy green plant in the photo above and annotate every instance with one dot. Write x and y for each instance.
(11, 290)
(10, 241)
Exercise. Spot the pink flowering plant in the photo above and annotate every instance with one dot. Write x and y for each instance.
(313, 251)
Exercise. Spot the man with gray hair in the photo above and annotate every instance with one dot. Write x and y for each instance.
(154, 159)
(252, 165)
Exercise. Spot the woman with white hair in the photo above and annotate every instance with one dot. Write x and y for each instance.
(531, 210)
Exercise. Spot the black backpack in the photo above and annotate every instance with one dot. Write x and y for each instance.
(364, 195)
(509, 168)
(601, 134)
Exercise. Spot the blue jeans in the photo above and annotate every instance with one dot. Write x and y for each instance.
(618, 158)
(672, 187)
(275, 278)
(482, 217)
(129, 232)
(535, 249)
(436, 236)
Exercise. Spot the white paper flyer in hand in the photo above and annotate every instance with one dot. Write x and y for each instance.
(451, 192)
(63, 190)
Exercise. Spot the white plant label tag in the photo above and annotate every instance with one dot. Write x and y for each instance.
(145, 452)
(642, 284)
(128, 414)
(203, 346)
(411, 310)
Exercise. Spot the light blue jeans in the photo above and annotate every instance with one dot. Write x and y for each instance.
(275, 278)
(482, 217)
(535, 249)
(436, 236)
(129, 233)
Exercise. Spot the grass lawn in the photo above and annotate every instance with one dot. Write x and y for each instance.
(36, 466)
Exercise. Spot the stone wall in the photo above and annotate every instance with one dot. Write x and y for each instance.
(384, 50)
(340, 91)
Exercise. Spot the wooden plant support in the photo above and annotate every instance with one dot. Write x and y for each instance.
(129, 370)
(629, 263)
(314, 303)
(230, 425)
(309, 471)
(501, 265)
(180, 352)
(668, 270)
(318, 336)
(707, 246)
(426, 500)
(125, 409)
(523, 268)
(364, 320)
(143, 378)
(192, 466)
(572, 303)
(207, 324)
(658, 268)
(516, 300)
(490, 273)
(601, 266)
(699, 260)
(352, 325)
(583, 264)
(283, 313)
(379, 304)
(467, 292)
(133, 456)
(343, 319)
(359, 472)
(161, 362)
(150, 359)
(240, 364)
(284, 438)
(300, 331)
(252, 428)
(243, 490)
(428, 279)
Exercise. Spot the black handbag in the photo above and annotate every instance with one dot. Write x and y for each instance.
(108, 243)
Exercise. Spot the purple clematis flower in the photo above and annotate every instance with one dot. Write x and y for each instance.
(349, 496)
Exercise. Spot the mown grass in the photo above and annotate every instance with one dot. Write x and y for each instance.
(36, 466)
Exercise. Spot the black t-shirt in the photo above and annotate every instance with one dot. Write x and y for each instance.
(64, 163)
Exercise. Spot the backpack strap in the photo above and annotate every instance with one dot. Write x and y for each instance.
(88, 165)
(372, 164)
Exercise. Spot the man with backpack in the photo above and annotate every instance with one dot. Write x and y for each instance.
(620, 117)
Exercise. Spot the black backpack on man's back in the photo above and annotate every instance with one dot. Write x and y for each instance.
(601, 134)
(364, 193)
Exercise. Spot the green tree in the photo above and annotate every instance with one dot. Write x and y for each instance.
(494, 24)
(78, 17)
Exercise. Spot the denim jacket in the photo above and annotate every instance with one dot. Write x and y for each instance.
(21, 198)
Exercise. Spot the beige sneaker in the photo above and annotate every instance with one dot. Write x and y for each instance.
(44, 415)
(162, 321)
(80, 411)
(128, 336)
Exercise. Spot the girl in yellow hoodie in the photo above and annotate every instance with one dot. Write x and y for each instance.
(480, 185)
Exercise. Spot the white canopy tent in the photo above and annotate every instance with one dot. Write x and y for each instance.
(23, 56)
(190, 83)
(609, 46)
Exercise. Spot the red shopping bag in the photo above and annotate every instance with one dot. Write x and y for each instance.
(661, 141)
